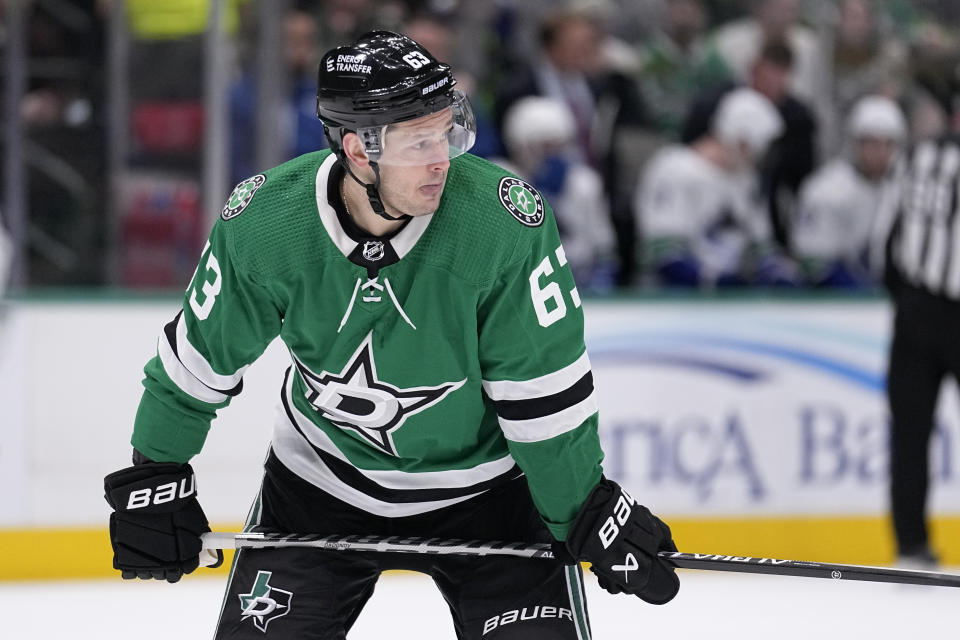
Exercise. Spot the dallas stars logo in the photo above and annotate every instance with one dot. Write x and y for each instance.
(357, 400)
(241, 196)
(521, 200)
(264, 603)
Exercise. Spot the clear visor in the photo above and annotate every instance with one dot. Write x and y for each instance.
(428, 140)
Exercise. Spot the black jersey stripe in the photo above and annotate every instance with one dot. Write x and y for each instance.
(924, 243)
(351, 476)
(935, 253)
(530, 408)
(170, 331)
(924, 183)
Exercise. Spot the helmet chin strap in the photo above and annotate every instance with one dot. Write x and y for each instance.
(373, 193)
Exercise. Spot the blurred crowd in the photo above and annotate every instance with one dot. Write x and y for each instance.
(681, 143)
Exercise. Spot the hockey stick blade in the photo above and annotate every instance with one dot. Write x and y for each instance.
(699, 561)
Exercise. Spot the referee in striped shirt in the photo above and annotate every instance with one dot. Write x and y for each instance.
(923, 275)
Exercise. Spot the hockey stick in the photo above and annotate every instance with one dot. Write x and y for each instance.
(805, 569)
(382, 544)
(702, 561)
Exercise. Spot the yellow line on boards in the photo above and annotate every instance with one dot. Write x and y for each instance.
(864, 540)
(73, 553)
(55, 554)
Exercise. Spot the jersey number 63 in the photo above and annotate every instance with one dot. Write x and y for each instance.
(209, 288)
(548, 300)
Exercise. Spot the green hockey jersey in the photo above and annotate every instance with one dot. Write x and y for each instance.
(426, 367)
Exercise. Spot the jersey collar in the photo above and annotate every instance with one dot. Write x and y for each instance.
(402, 242)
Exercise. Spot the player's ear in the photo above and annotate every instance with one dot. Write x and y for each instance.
(353, 148)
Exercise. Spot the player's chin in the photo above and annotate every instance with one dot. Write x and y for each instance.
(425, 211)
(427, 201)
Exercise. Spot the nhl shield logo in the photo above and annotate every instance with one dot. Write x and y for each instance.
(521, 200)
(241, 196)
(372, 250)
(264, 603)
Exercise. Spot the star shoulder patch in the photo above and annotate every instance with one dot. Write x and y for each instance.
(522, 201)
(241, 196)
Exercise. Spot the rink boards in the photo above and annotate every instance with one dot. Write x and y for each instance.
(758, 427)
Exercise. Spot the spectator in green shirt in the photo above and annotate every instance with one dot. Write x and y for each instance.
(678, 64)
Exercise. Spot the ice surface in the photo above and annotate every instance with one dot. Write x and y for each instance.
(710, 605)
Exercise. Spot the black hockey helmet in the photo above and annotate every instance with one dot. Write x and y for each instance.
(385, 78)
(382, 79)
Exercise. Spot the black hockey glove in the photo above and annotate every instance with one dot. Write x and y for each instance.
(621, 539)
(156, 522)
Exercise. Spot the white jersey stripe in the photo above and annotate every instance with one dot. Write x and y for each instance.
(196, 364)
(402, 480)
(327, 214)
(555, 424)
(402, 243)
(182, 377)
(915, 199)
(296, 455)
(547, 385)
(940, 197)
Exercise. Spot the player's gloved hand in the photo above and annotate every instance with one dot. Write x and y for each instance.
(156, 524)
(621, 539)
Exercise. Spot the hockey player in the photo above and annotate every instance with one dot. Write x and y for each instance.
(439, 384)
(539, 134)
(838, 238)
(699, 215)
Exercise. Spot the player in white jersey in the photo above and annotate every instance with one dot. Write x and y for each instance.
(539, 133)
(838, 232)
(698, 206)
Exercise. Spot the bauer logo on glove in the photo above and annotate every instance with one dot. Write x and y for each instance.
(621, 539)
(156, 523)
(164, 493)
(621, 511)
